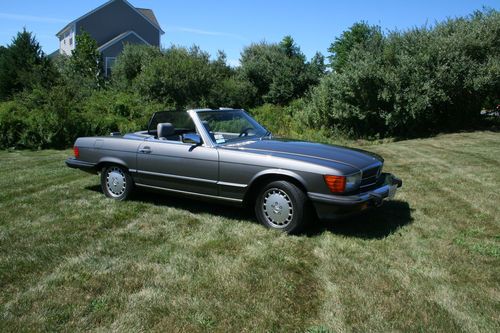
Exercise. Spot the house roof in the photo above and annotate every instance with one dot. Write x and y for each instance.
(54, 54)
(147, 14)
(119, 38)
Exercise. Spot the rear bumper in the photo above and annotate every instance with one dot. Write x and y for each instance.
(84, 166)
(329, 206)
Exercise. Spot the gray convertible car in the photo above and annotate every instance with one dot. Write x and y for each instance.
(225, 155)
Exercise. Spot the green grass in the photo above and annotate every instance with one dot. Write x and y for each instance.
(71, 260)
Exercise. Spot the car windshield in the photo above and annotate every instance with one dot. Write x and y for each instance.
(230, 126)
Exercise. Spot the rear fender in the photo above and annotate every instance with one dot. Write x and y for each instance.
(111, 160)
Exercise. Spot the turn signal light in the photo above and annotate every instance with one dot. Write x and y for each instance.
(336, 184)
(76, 152)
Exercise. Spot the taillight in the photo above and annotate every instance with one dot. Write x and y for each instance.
(76, 152)
(336, 184)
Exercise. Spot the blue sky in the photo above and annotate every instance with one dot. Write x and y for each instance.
(231, 25)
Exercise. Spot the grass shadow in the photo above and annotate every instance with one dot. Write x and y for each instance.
(196, 205)
(375, 223)
(372, 224)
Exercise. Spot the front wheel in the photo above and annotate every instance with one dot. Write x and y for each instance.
(116, 182)
(283, 206)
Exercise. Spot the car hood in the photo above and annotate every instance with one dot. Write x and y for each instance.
(356, 158)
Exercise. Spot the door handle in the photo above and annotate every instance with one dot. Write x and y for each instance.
(145, 150)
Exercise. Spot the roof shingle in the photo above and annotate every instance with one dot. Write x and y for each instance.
(149, 14)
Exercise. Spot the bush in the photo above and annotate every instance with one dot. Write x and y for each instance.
(55, 118)
(279, 72)
(39, 119)
(233, 92)
(282, 120)
(131, 62)
(179, 77)
(413, 83)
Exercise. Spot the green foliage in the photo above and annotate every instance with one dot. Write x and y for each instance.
(131, 62)
(39, 119)
(110, 111)
(316, 68)
(360, 35)
(179, 77)
(85, 63)
(279, 72)
(23, 65)
(233, 92)
(287, 120)
(411, 83)
(54, 118)
(401, 84)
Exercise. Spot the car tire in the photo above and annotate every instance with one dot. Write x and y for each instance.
(283, 206)
(116, 182)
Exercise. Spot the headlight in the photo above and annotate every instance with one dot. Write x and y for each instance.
(352, 182)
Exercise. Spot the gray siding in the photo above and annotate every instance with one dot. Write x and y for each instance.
(115, 49)
(115, 19)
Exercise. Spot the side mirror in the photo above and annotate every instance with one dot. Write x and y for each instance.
(192, 138)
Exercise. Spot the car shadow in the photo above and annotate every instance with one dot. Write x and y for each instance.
(196, 206)
(372, 224)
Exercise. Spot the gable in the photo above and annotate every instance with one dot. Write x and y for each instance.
(126, 37)
(113, 20)
(114, 47)
(146, 14)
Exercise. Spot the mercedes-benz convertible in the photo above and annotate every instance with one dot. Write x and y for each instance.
(225, 155)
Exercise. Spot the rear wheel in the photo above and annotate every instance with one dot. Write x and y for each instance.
(116, 183)
(283, 206)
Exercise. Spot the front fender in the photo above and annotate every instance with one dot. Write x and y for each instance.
(282, 172)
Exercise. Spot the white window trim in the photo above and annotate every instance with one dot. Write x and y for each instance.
(107, 67)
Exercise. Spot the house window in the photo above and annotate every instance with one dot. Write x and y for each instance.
(110, 62)
(71, 41)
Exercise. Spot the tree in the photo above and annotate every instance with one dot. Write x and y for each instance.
(279, 72)
(359, 35)
(180, 77)
(86, 62)
(23, 65)
(411, 83)
(316, 68)
(131, 62)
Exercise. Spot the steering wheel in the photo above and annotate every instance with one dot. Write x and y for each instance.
(244, 132)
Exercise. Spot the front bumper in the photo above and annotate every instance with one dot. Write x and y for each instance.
(329, 206)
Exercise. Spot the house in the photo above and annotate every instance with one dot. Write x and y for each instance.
(112, 25)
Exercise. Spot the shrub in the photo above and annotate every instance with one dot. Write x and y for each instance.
(131, 62)
(279, 72)
(39, 119)
(180, 77)
(413, 83)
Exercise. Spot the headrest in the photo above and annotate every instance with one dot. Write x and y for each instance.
(165, 130)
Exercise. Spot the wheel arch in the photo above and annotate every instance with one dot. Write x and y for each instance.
(111, 161)
(268, 176)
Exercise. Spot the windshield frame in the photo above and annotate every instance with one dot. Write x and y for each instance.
(206, 135)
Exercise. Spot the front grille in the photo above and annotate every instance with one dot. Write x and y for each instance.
(370, 175)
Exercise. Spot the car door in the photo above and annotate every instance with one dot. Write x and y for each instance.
(178, 166)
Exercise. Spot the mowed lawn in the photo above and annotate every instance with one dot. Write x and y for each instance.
(72, 260)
